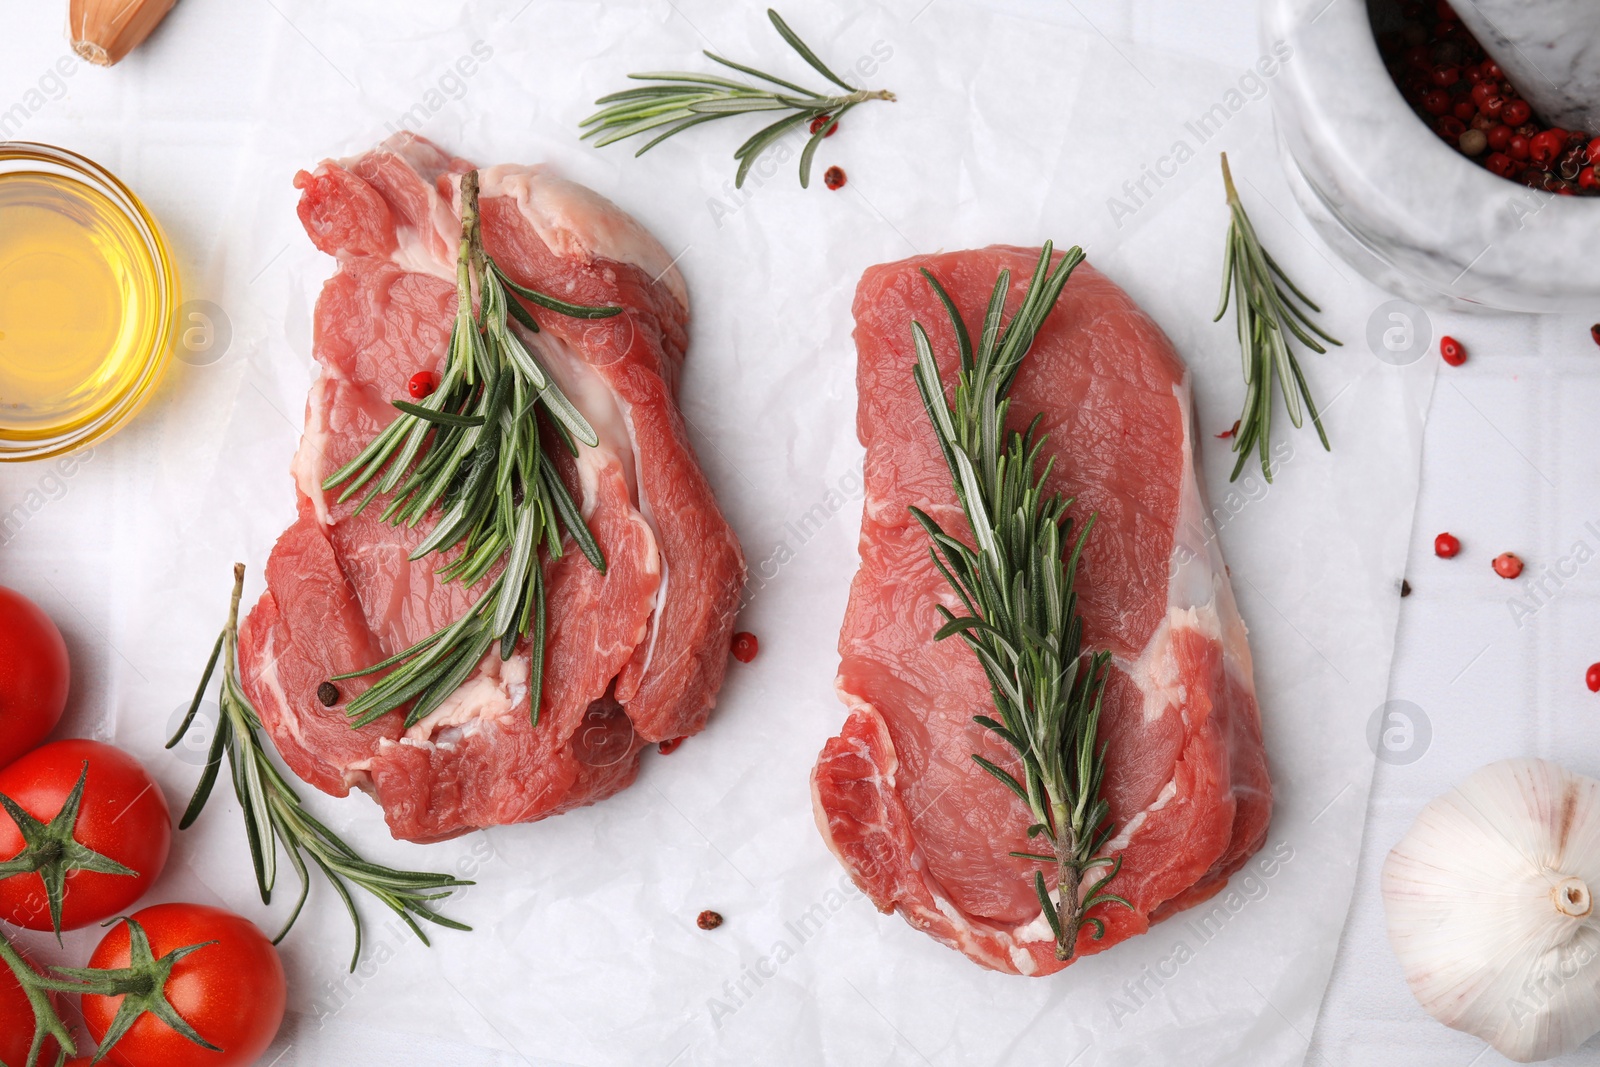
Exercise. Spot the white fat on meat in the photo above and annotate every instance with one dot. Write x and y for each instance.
(575, 221)
(494, 692)
(1198, 573)
(306, 467)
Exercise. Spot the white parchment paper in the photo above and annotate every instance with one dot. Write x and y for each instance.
(1008, 129)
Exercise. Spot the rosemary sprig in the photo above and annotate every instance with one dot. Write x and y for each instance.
(1265, 314)
(1017, 587)
(472, 448)
(273, 815)
(684, 99)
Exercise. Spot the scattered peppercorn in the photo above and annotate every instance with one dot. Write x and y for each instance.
(821, 121)
(1594, 333)
(1230, 431)
(1446, 545)
(745, 646)
(1592, 678)
(1451, 351)
(1507, 565)
(1405, 587)
(708, 920)
(420, 385)
(833, 178)
(669, 746)
(328, 693)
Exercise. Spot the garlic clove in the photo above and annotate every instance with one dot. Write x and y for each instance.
(1490, 905)
(104, 31)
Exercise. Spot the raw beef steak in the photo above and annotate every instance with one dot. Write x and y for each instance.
(921, 828)
(634, 656)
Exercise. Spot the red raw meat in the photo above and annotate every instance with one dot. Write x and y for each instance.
(633, 657)
(921, 828)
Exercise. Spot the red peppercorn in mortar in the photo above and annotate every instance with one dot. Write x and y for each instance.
(1463, 96)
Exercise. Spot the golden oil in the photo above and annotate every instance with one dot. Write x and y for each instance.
(86, 293)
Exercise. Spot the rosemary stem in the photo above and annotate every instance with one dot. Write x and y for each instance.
(233, 604)
(861, 96)
(1069, 878)
(469, 225)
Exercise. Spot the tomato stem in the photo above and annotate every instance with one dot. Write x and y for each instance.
(37, 988)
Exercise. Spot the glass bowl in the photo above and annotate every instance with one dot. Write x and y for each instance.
(77, 216)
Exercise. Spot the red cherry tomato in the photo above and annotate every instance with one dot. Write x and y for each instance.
(232, 992)
(122, 815)
(33, 675)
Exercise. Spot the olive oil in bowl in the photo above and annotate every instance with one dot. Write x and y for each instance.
(86, 297)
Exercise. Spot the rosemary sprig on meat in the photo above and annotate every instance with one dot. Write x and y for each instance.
(473, 448)
(273, 815)
(1017, 587)
(1265, 315)
(684, 99)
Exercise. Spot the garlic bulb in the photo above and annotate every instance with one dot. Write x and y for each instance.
(1490, 908)
(103, 31)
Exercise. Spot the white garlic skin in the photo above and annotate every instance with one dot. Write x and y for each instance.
(1490, 909)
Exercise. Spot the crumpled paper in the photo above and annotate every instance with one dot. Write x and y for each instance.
(585, 948)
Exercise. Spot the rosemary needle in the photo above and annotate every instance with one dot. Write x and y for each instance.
(1017, 587)
(683, 99)
(273, 815)
(1265, 315)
